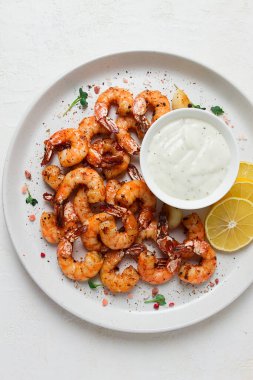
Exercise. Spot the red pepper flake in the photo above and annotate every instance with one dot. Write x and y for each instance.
(97, 90)
(125, 80)
(106, 292)
(42, 255)
(156, 306)
(104, 302)
(171, 304)
(24, 189)
(216, 281)
(28, 174)
(155, 291)
(32, 218)
(130, 296)
(211, 284)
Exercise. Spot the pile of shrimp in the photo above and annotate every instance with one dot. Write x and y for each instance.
(88, 197)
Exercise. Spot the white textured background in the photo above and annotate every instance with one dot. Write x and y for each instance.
(40, 40)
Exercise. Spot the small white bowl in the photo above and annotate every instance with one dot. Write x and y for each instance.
(229, 178)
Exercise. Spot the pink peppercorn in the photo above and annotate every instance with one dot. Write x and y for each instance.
(216, 281)
(96, 89)
(24, 189)
(171, 304)
(125, 80)
(42, 255)
(156, 306)
(106, 291)
(104, 302)
(32, 218)
(155, 291)
(211, 284)
(28, 174)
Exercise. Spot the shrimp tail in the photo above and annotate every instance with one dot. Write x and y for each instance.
(113, 210)
(59, 212)
(134, 173)
(74, 233)
(48, 197)
(135, 250)
(109, 124)
(48, 153)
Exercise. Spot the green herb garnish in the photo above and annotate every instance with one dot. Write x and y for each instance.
(30, 199)
(92, 285)
(81, 98)
(217, 110)
(159, 298)
(191, 105)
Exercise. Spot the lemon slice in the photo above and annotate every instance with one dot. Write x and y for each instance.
(242, 189)
(241, 179)
(245, 170)
(229, 225)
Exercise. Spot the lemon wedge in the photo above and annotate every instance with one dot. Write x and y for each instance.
(241, 189)
(229, 225)
(245, 171)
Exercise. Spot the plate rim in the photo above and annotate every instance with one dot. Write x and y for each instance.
(25, 114)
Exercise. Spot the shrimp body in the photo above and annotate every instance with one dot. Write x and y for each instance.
(137, 189)
(198, 273)
(125, 140)
(53, 176)
(48, 224)
(71, 145)
(89, 127)
(90, 237)
(82, 206)
(117, 282)
(108, 155)
(109, 233)
(194, 226)
(77, 270)
(111, 189)
(113, 95)
(152, 269)
(150, 99)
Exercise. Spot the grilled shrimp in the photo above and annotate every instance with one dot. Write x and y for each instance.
(149, 233)
(125, 140)
(116, 282)
(71, 145)
(149, 99)
(81, 176)
(48, 224)
(197, 273)
(90, 237)
(89, 127)
(109, 234)
(113, 95)
(82, 206)
(77, 270)
(137, 189)
(108, 155)
(194, 226)
(53, 176)
(111, 189)
(151, 269)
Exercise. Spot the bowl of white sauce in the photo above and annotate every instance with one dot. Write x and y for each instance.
(189, 158)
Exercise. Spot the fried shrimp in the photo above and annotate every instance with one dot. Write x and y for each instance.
(71, 144)
(53, 176)
(109, 233)
(48, 224)
(117, 282)
(108, 155)
(137, 189)
(90, 238)
(149, 99)
(113, 95)
(125, 140)
(198, 273)
(81, 176)
(77, 270)
(151, 269)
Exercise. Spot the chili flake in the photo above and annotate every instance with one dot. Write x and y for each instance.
(28, 174)
(32, 218)
(104, 302)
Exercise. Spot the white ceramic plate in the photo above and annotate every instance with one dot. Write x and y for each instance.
(136, 71)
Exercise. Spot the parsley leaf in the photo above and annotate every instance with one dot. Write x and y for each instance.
(92, 285)
(217, 110)
(191, 105)
(82, 98)
(31, 200)
(159, 298)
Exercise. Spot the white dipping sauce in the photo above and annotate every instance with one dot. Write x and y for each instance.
(188, 159)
